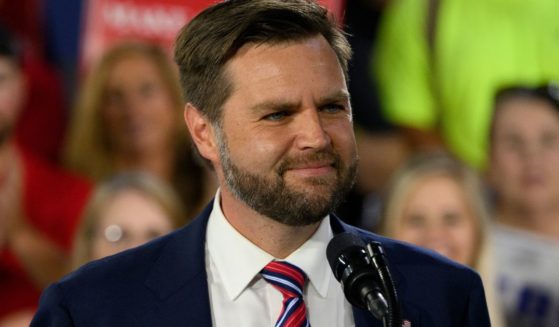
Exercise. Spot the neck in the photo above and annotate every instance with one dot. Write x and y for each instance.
(542, 221)
(159, 162)
(277, 239)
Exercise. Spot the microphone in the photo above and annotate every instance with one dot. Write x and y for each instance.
(353, 268)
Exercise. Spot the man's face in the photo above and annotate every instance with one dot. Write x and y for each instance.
(525, 154)
(286, 142)
(11, 96)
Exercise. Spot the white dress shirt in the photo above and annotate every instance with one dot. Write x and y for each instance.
(239, 296)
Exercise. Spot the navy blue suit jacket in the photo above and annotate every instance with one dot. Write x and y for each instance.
(163, 283)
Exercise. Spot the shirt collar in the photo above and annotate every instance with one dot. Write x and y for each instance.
(311, 258)
(238, 260)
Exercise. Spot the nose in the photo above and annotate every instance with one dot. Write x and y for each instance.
(311, 132)
(436, 238)
(134, 105)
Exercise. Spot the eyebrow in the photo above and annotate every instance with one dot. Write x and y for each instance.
(339, 96)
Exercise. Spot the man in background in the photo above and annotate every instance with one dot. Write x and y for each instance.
(39, 205)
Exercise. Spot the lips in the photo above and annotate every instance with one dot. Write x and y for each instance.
(312, 170)
(316, 165)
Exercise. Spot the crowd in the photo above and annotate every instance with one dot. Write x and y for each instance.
(456, 113)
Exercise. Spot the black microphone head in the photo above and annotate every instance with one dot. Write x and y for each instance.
(339, 244)
(352, 267)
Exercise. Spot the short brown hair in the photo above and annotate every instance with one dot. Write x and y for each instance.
(548, 93)
(204, 46)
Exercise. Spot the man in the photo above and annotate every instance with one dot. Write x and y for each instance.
(268, 107)
(39, 205)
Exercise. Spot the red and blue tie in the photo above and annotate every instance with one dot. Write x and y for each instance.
(289, 280)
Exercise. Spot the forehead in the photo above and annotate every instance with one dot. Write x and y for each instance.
(290, 70)
(133, 66)
(529, 112)
(435, 181)
(132, 206)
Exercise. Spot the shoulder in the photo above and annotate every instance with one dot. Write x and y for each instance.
(110, 289)
(121, 289)
(416, 262)
(431, 288)
(52, 198)
(116, 273)
(45, 180)
(39, 168)
(177, 254)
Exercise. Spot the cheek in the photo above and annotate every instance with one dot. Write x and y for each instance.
(170, 122)
(507, 159)
(111, 115)
(552, 158)
(164, 107)
(411, 234)
(343, 138)
(465, 238)
(505, 169)
(100, 248)
(256, 149)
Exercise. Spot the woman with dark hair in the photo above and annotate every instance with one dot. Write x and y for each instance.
(524, 175)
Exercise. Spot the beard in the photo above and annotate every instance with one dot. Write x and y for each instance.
(273, 198)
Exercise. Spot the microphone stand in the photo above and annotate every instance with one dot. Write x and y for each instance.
(393, 317)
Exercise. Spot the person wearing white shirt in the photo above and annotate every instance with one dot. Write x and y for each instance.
(239, 293)
(268, 108)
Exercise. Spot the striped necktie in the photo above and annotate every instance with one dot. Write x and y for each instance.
(289, 280)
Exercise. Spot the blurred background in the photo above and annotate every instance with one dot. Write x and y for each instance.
(456, 114)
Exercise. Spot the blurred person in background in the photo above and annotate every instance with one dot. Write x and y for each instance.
(439, 63)
(39, 204)
(524, 175)
(42, 119)
(435, 201)
(380, 146)
(126, 211)
(129, 117)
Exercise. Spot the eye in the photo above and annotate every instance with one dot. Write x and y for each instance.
(147, 89)
(513, 143)
(333, 108)
(452, 219)
(115, 98)
(415, 221)
(276, 116)
(549, 140)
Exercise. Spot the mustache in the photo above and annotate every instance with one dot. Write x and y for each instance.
(320, 157)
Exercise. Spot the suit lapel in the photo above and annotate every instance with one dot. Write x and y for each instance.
(178, 277)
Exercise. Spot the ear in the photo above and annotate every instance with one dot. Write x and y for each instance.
(202, 133)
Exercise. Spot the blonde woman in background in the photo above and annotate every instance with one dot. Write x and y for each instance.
(126, 211)
(129, 117)
(437, 202)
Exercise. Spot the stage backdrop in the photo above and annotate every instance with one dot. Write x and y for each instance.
(110, 21)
